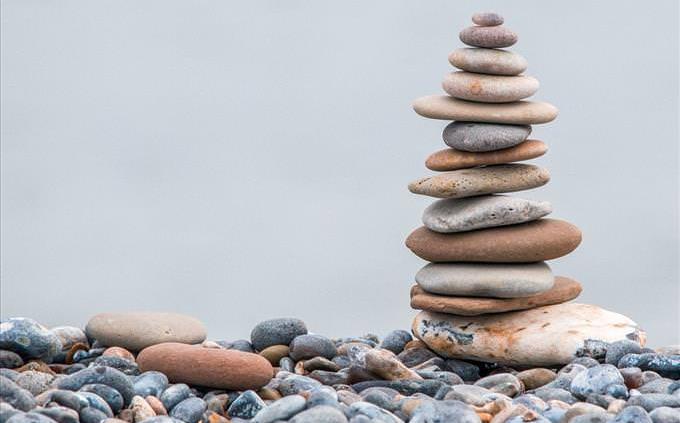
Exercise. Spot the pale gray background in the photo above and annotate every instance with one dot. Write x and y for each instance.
(246, 160)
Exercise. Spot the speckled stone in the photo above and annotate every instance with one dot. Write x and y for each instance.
(488, 36)
(276, 332)
(480, 181)
(488, 61)
(138, 330)
(487, 19)
(483, 137)
(467, 214)
(29, 339)
(309, 346)
(450, 108)
(539, 240)
(498, 280)
(99, 374)
(542, 336)
(451, 159)
(489, 88)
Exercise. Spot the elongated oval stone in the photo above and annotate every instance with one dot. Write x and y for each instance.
(466, 214)
(543, 336)
(489, 88)
(211, 367)
(137, 330)
(543, 239)
(487, 19)
(449, 108)
(488, 36)
(563, 290)
(480, 181)
(483, 137)
(488, 61)
(498, 280)
(451, 159)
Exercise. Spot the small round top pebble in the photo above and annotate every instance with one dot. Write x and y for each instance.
(487, 19)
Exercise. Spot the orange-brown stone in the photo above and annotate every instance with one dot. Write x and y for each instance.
(210, 367)
(452, 159)
(543, 239)
(563, 290)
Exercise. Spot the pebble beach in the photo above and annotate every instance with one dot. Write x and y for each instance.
(497, 337)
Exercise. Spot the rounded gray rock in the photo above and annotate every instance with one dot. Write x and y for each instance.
(276, 332)
(281, 409)
(488, 36)
(487, 211)
(320, 414)
(190, 410)
(15, 395)
(309, 346)
(482, 137)
(595, 380)
(498, 280)
(488, 61)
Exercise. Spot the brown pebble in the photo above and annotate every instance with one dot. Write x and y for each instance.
(74, 349)
(488, 36)
(216, 418)
(535, 378)
(275, 353)
(156, 405)
(269, 394)
(415, 343)
(36, 366)
(119, 352)
(451, 159)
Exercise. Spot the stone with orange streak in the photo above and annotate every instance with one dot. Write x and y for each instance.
(452, 159)
(489, 88)
(385, 364)
(543, 336)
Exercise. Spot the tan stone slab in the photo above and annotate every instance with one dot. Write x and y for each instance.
(519, 112)
(563, 290)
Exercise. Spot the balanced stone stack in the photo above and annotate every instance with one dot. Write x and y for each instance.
(488, 293)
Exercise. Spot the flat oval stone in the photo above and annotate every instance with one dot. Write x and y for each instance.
(489, 88)
(488, 61)
(138, 330)
(487, 19)
(482, 137)
(486, 280)
(449, 108)
(563, 290)
(543, 239)
(488, 36)
(479, 181)
(210, 367)
(451, 159)
(543, 336)
(486, 211)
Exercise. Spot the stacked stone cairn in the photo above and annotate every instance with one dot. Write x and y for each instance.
(488, 293)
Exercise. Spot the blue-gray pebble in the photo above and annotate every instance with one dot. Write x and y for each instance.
(309, 346)
(15, 395)
(10, 360)
(190, 410)
(150, 383)
(175, 394)
(396, 340)
(29, 339)
(112, 397)
(246, 405)
(99, 374)
(276, 332)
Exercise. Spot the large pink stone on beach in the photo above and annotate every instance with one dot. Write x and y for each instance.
(210, 367)
(542, 336)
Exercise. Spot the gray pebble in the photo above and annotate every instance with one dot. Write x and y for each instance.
(95, 401)
(488, 36)
(99, 374)
(150, 383)
(276, 332)
(487, 19)
(190, 410)
(175, 394)
(665, 415)
(91, 415)
(34, 382)
(618, 349)
(396, 340)
(651, 401)
(246, 405)
(309, 346)
(482, 137)
(10, 360)
(320, 414)
(15, 395)
(633, 414)
(281, 409)
(112, 397)
(595, 380)
(59, 414)
(31, 418)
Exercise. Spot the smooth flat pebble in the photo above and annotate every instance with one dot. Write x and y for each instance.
(482, 137)
(211, 367)
(479, 181)
(488, 61)
(543, 336)
(489, 88)
(449, 108)
(138, 330)
(487, 19)
(563, 290)
(488, 36)
(486, 211)
(498, 280)
(539, 240)
(452, 159)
